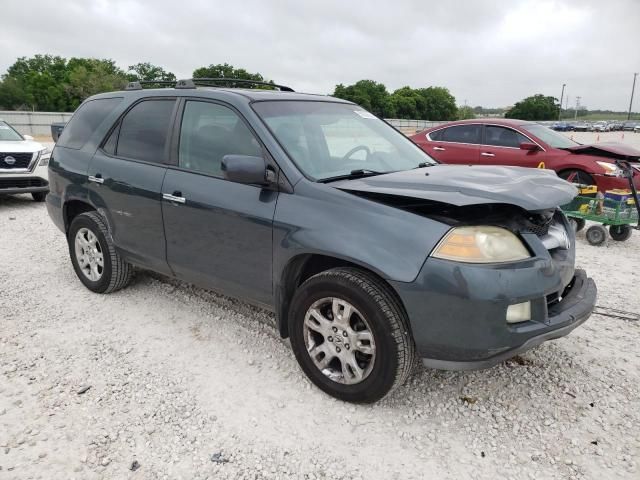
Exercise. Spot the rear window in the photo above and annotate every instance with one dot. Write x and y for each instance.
(85, 121)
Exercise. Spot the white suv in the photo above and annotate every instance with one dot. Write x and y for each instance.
(23, 164)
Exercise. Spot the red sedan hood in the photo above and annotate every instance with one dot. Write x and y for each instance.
(608, 149)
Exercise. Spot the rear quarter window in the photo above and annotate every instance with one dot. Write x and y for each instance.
(86, 120)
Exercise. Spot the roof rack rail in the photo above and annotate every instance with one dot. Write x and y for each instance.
(137, 85)
(192, 82)
(233, 81)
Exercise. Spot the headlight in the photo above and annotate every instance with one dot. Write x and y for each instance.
(481, 244)
(611, 169)
(43, 157)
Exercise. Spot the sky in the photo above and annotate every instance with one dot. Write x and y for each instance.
(487, 52)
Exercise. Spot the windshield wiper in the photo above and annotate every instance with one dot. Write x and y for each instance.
(358, 173)
(425, 164)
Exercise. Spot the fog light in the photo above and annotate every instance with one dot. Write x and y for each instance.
(520, 312)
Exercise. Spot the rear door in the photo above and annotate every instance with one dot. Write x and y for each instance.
(126, 176)
(455, 144)
(501, 146)
(219, 233)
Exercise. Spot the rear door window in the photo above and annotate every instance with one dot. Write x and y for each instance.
(85, 121)
(144, 131)
(503, 137)
(462, 134)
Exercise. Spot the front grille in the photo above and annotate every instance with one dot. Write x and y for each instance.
(6, 183)
(20, 160)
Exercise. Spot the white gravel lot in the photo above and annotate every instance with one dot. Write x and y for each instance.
(193, 385)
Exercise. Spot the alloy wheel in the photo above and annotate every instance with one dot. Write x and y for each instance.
(339, 340)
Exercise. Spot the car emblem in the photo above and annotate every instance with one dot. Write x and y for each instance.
(9, 160)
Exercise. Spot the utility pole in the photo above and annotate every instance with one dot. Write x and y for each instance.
(561, 98)
(577, 105)
(632, 90)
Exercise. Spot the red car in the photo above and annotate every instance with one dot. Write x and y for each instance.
(527, 144)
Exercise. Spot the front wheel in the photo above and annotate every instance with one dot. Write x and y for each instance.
(350, 335)
(596, 235)
(39, 196)
(95, 260)
(620, 233)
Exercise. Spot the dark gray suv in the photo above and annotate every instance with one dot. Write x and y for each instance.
(369, 252)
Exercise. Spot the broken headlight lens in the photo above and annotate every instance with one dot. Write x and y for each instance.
(481, 244)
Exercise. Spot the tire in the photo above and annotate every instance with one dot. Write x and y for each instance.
(620, 233)
(39, 196)
(580, 177)
(114, 273)
(596, 234)
(377, 310)
(579, 223)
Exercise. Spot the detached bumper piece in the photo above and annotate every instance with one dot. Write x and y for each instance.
(564, 316)
(15, 185)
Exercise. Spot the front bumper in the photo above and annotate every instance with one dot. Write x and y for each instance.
(570, 313)
(27, 182)
(457, 312)
(605, 182)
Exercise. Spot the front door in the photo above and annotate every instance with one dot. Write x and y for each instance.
(501, 146)
(219, 233)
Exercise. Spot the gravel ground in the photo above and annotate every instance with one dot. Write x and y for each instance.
(164, 380)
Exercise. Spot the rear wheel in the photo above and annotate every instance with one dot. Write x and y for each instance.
(95, 260)
(39, 196)
(596, 235)
(620, 233)
(350, 335)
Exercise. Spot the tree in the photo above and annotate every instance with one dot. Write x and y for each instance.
(148, 72)
(370, 95)
(465, 113)
(224, 70)
(536, 107)
(439, 104)
(51, 83)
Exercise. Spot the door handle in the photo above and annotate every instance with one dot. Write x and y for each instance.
(96, 179)
(439, 149)
(488, 154)
(175, 197)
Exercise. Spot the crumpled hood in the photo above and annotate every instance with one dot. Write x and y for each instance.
(529, 188)
(20, 146)
(608, 149)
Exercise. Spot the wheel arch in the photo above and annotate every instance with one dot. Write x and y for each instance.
(72, 208)
(304, 266)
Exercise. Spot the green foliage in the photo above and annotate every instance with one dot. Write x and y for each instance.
(224, 70)
(465, 113)
(370, 95)
(432, 103)
(148, 72)
(52, 83)
(536, 107)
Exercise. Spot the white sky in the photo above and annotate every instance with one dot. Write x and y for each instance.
(487, 52)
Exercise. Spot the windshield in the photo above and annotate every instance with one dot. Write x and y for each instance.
(548, 136)
(7, 133)
(327, 139)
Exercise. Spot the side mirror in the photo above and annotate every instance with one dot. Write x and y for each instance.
(28, 137)
(531, 147)
(245, 169)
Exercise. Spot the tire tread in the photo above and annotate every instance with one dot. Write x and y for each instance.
(393, 311)
(121, 271)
